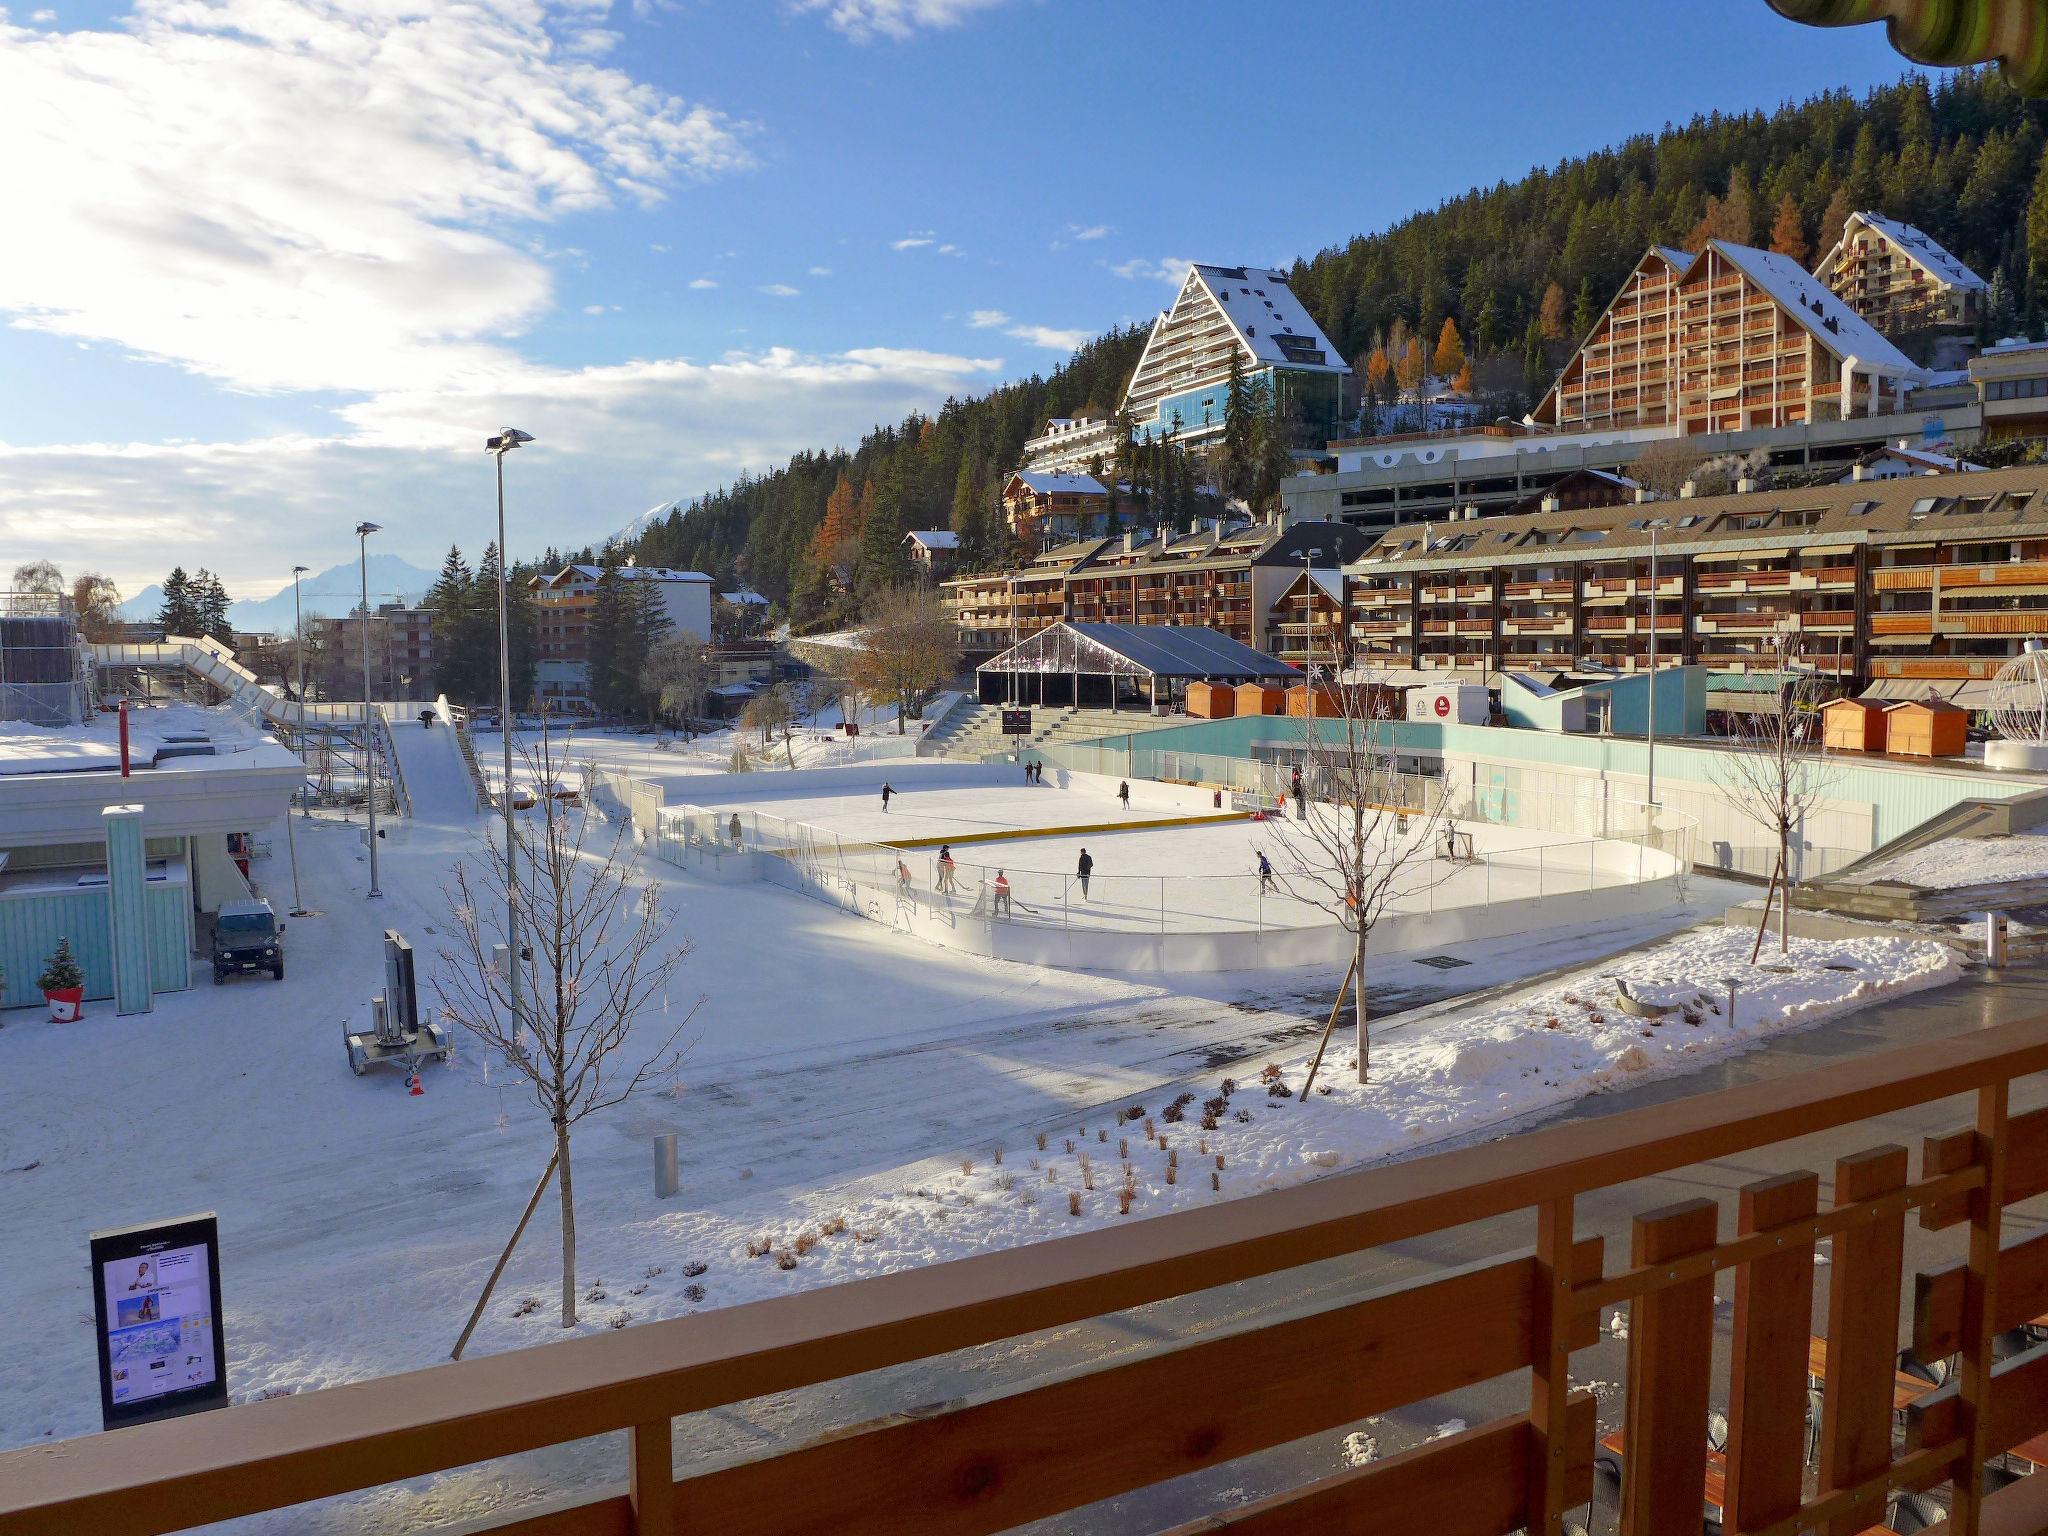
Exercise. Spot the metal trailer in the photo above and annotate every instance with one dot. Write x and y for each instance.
(397, 1037)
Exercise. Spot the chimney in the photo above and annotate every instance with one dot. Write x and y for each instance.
(1687, 491)
(1745, 485)
(1551, 504)
(1130, 540)
(1644, 494)
(1859, 472)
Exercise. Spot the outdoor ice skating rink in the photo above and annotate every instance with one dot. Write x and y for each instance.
(1148, 875)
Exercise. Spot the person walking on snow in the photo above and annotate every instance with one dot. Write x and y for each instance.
(735, 830)
(1123, 793)
(1265, 872)
(1084, 869)
(1002, 894)
(886, 793)
(946, 867)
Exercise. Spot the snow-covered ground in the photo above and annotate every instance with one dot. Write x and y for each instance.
(840, 1077)
(1952, 862)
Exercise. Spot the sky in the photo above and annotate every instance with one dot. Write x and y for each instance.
(274, 267)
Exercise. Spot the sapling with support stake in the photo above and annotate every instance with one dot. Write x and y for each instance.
(595, 961)
(1357, 846)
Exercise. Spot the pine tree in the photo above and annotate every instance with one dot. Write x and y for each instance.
(1788, 232)
(1585, 310)
(208, 601)
(458, 672)
(178, 615)
(2037, 236)
(1835, 218)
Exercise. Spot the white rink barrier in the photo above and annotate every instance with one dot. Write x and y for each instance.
(1513, 881)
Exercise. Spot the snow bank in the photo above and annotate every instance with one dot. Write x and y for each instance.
(1958, 861)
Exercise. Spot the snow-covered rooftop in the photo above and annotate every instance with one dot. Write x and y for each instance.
(1916, 245)
(746, 597)
(1268, 318)
(1048, 483)
(1815, 306)
(935, 538)
(634, 573)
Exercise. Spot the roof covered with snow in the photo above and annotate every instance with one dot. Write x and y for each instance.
(1268, 318)
(938, 538)
(1916, 245)
(745, 597)
(1047, 483)
(1826, 317)
(629, 573)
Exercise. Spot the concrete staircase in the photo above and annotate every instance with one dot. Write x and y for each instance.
(971, 734)
(1089, 724)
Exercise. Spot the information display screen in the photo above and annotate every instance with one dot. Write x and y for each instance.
(1016, 722)
(156, 1292)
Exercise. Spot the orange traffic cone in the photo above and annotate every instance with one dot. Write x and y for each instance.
(417, 1090)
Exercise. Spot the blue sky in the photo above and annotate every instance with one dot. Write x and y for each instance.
(281, 264)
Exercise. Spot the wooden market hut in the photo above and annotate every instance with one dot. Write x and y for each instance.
(1929, 727)
(1853, 725)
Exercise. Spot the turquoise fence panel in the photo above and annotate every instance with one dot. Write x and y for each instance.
(32, 921)
(170, 936)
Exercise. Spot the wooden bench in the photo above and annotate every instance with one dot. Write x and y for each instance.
(1907, 1389)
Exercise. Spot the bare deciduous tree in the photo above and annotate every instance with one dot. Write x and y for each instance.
(1665, 465)
(596, 956)
(768, 712)
(1778, 770)
(97, 603)
(909, 648)
(1356, 847)
(677, 675)
(38, 576)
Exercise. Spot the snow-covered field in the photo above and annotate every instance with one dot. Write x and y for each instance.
(842, 1103)
(1952, 862)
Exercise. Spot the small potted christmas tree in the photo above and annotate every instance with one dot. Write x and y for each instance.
(63, 984)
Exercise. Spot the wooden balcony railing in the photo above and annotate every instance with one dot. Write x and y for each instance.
(1039, 1452)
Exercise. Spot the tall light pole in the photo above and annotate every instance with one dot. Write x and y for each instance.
(1656, 526)
(363, 532)
(299, 653)
(498, 447)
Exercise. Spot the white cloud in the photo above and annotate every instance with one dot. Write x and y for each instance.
(1090, 231)
(949, 249)
(983, 319)
(916, 240)
(703, 282)
(1049, 337)
(780, 290)
(318, 194)
(1168, 269)
(863, 20)
(613, 440)
(593, 309)
(42, 18)
(821, 271)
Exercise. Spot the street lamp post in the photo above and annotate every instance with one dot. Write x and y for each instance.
(498, 447)
(299, 653)
(1657, 526)
(363, 532)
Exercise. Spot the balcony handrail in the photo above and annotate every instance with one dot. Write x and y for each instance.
(271, 1454)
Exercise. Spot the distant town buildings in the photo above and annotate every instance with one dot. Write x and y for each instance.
(932, 551)
(1045, 507)
(1071, 442)
(1898, 278)
(2012, 384)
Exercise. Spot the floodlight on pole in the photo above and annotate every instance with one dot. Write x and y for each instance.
(498, 447)
(363, 532)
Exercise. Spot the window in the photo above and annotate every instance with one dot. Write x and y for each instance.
(1803, 517)
(1585, 535)
(1923, 506)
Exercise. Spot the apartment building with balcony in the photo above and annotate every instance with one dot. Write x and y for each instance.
(1048, 509)
(1079, 443)
(1898, 277)
(2012, 388)
(1180, 385)
(400, 641)
(1892, 586)
(563, 604)
(1226, 578)
(1724, 340)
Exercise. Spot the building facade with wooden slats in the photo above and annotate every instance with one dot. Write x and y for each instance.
(1898, 584)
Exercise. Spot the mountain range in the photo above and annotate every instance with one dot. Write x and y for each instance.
(334, 591)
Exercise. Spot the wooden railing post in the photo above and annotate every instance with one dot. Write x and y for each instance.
(1863, 1336)
(653, 1485)
(1767, 1372)
(1980, 1297)
(1670, 1357)
(1550, 1379)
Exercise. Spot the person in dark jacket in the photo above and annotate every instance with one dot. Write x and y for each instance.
(1084, 869)
(886, 793)
(1123, 793)
(1265, 872)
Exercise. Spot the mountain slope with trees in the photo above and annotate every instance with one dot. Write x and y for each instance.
(1487, 291)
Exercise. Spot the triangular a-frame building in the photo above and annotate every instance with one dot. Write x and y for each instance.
(1721, 341)
(1180, 384)
(1898, 277)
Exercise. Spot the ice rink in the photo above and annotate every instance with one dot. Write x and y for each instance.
(1163, 879)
